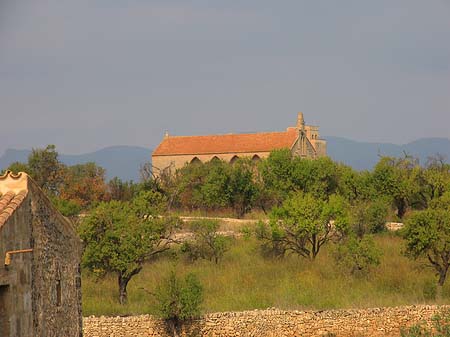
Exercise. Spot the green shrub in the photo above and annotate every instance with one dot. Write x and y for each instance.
(357, 255)
(179, 300)
(430, 290)
(206, 243)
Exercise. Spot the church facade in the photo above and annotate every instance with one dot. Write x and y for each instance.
(176, 151)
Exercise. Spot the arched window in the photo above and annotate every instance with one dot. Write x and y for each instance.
(215, 159)
(195, 160)
(256, 158)
(234, 159)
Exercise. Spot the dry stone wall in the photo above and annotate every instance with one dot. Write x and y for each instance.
(273, 323)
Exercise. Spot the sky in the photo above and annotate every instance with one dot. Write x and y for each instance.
(86, 74)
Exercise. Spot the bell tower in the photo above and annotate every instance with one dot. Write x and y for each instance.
(300, 121)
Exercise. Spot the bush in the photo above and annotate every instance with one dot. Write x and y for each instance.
(429, 290)
(179, 300)
(206, 243)
(357, 255)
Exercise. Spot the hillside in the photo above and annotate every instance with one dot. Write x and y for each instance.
(364, 155)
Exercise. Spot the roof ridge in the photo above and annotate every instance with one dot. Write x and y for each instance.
(13, 182)
(10, 174)
(229, 134)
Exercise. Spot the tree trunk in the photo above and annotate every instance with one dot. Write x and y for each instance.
(401, 208)
(442, 276)
(173, 326)
(123, 283)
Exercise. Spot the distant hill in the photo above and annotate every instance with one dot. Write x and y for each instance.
(124, 161)
(119, 161)
(364, 155)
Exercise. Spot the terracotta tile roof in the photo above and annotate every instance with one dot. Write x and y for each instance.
(9, 203)
(14, 192)
(230, 143)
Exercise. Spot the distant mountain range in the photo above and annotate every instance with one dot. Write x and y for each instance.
(364, 155)
(124, 161)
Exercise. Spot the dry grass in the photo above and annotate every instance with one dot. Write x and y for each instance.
(245, 280)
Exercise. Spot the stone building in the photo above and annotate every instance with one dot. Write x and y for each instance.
(175, 151)
(40, 293)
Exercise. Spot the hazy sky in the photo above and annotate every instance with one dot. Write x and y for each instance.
(85, 74)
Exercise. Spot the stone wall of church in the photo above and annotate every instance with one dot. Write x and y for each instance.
(176, 162)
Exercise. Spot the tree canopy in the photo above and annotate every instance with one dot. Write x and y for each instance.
(427, 234)
(304, 223)
(120, 236)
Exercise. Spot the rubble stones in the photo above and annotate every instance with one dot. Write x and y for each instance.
(273, 322)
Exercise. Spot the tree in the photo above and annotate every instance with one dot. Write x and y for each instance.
(67, 208)
(303, 224)
(206, 242)
(243, 190)
(354, 186)
(17, 167)
(179, 300)
(120, 236)
(436, 178)
(427, 234)
(214, 190)
(187, 184)
(398, 179)
(318, 177)
(149, 204)
(84, 185)
(46, 169)
(369, 217)
(120, 190)
(276, 173)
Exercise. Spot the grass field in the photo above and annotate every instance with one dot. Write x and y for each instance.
(245, 280)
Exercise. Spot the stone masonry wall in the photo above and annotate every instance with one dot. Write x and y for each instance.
(56, 282)
(273, 323)
(178, 161)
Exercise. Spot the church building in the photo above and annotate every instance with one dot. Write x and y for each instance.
(176, 151)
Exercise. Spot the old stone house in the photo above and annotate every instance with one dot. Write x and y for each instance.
(175, 151)
(40, 293)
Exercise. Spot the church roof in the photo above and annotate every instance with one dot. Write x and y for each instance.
(229, 143)
(12, 192)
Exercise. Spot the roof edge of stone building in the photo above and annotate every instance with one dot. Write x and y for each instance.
(13, 182)
(35, 188)
(14, 188)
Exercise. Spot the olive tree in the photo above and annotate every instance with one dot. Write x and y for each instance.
(427, 234)
(206, 242)
(303, 224)
(120, 236)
